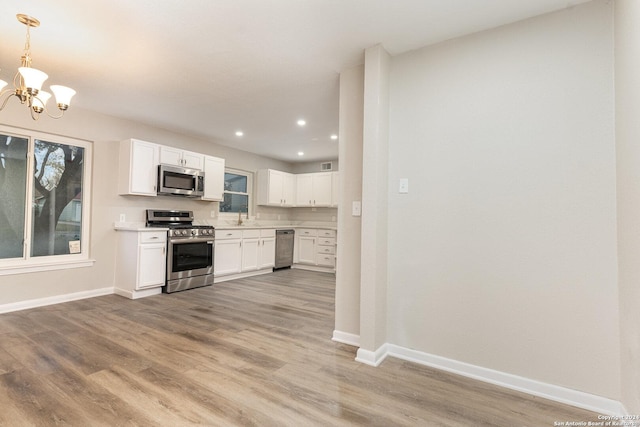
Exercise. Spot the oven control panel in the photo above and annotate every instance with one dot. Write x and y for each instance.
(192, 232)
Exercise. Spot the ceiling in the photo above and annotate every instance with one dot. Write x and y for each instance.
(208, 68)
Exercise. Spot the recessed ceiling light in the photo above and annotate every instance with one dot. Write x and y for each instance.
(302, 122)
(239, 133)
(334, 136)
(300, 153)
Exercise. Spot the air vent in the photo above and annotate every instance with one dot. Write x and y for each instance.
(326, 166)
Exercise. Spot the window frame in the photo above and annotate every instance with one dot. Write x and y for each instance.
(249, 193)
(28, 263)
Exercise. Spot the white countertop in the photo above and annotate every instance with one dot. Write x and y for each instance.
(140, 226)
(269, 227)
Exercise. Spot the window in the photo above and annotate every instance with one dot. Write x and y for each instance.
(44, 188)
(237, 191)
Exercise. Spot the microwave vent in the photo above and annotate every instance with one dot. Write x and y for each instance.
(326, 166)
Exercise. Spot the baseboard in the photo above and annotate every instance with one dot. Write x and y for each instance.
(564, 395)
(373, 358)
(218, 279)
(346, 338)
(41, 302)
(319, 269)
(137, 294)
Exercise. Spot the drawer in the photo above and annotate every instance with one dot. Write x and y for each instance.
(324, 250)
(307, 232)
(250, 234)
(271, 232)
(228, 234)
(152, 236)
(327, 233)
(326, 260)
(326, 241)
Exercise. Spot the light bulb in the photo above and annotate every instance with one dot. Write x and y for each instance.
(63, 95)
(33, 79)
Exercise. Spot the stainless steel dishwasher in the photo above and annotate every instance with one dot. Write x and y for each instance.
(284, 248)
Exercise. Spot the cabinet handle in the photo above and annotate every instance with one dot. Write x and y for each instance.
(155, 237)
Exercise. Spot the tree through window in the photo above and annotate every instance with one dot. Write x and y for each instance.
(44, 207)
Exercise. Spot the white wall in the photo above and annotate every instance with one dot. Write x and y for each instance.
(106, 132)
(347, 317)
(503, 254)
(627, 48)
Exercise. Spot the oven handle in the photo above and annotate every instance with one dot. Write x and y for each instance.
(191, 240)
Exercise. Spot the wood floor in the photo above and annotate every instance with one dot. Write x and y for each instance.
(249, 352)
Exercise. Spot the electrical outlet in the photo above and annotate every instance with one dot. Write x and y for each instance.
(123, 217)
(213, 214)
(403, 188)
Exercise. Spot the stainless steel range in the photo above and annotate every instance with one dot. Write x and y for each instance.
(189, 249)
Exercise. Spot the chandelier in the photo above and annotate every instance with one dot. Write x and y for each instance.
(28, 82)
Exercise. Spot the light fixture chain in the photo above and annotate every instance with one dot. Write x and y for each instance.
(27, 49)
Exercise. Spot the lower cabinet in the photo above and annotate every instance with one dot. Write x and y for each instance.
(140, 263)
(315, 249)
(227, 252)
(241, 253)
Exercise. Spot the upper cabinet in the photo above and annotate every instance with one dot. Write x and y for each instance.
(335, 184)
(314, 189)
(276, 188)
(213, 178)
(139, 160)
(138, 164)
(177, 157)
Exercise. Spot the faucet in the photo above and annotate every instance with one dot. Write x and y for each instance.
(240, 214)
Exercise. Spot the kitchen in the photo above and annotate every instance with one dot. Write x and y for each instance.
(243, 246)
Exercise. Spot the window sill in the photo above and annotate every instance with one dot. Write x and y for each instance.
(34, 267)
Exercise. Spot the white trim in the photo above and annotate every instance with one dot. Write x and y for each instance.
(137, 294)
(556, 393)
(319, 269)
(41, 302)
(218, 279)
(373, 358)
(36, 267)
(346, 338)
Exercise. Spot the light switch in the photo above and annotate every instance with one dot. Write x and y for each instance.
(356, 208)
(404, 186)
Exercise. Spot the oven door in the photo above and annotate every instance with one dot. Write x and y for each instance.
(188, 257)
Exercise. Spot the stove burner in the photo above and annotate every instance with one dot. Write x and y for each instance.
(179, 223)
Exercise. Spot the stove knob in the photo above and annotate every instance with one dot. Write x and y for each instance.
(183, 232)
(194, 232)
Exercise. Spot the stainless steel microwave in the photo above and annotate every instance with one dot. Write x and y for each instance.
(179, 181)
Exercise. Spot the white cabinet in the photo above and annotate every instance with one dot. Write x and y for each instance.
(335, 188)
(138, 168)
(213, 178)
(258, 249)
(177, 157)
(315, 249)
(267, 258)
(140, 262)
(241, 253)
(314, 189)
(228, 252)
(250, 249)
(275, 188)
(306, 242)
